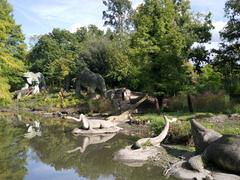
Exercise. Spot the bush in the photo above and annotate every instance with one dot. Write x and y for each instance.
(5, 96)
(206, 102)
(176, 103)
(99, 105)
(209, 102)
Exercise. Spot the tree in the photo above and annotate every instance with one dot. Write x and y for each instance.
(53, 55)
(228, 55)
(117, 14)
(158, 44)
(165, 31)
(209, 80)
(12, 53)
(195, 28)
(107, 56)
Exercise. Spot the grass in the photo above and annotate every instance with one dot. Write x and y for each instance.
(51, 102)
(47, 101)
(180, 131)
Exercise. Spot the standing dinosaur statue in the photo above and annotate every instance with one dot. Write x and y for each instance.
(156, 140)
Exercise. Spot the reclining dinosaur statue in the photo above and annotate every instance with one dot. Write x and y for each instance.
(156, 140)
(144, 149)
(222, 152)
(211, 147)
(93, 126)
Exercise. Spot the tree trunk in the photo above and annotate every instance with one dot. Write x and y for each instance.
(67, 82)
(190, 107)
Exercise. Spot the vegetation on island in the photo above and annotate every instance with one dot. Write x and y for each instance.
(157, 48)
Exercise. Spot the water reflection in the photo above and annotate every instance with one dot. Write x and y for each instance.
(13, 149)
(49, 157)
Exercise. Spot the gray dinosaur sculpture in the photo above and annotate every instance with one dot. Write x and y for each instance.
(212, 147)
(90, 80)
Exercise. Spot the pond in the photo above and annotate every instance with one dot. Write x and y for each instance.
(60, 155)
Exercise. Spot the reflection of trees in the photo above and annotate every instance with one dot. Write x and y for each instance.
(12, 151)
(96, 161)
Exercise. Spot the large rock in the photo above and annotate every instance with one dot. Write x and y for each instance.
(91, 81)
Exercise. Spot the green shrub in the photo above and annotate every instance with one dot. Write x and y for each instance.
(99, 105)
(209, 102)
(206, 102)
(236, 108)
(5, 96)
(177, 103)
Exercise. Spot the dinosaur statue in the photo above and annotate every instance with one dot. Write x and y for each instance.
(92, 139)
(212, 147)
(127, 115)
(156, 140)
(34, 83)
(87, 124)
(137, 154)
(90, 80)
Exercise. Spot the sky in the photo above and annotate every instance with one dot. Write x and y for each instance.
(41, 16)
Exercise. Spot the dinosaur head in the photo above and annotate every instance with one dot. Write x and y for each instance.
(202, 136)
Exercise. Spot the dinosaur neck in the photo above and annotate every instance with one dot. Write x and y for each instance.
(202, 136)
(84, 122)
(197, 126)
(163, 134)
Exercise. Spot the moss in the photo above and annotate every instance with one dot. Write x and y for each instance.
(147, 143)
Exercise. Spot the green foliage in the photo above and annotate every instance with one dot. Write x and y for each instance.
(117, 14)
(13, 152)
(101, 105)
(60, 54)
(12, 52)
(211, 102)
(203, 102)
(227, 57)
(119, 66)
(180, 131)
(157, 44)
(209, 80)
(53, 55)
(164, 33)
(199, 56)
(236, 108)
(5, 97)
(177, 104)
(48, 101)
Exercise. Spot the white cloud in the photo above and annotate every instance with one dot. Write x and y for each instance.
(219, 25)
(214, 44)
(135, 3)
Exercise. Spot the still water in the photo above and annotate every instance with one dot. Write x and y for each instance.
(60, 155)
